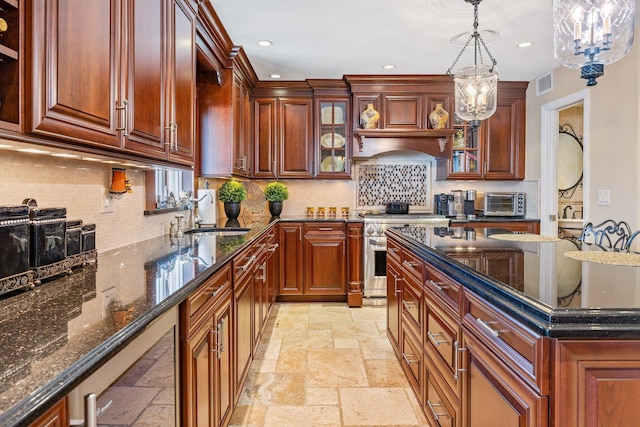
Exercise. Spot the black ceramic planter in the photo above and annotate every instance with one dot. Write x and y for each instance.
(232, 210)
(275, 208)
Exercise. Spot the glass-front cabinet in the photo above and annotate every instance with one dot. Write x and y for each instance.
(466, 156)
(332, 137)
(9, 68)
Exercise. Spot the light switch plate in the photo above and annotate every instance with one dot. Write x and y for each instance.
(107, 204)
(604, 197)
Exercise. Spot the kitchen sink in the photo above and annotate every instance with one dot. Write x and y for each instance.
(571, 226)
(220, 231)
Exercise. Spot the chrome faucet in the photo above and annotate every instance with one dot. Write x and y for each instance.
(195, 220)
(564, 211)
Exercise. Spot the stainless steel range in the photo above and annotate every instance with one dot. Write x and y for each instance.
(375, 246)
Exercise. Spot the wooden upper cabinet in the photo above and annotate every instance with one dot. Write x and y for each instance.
(265, 138)
(295, 138)
(504, 136)
(101, 74)
(241, 134)
(180, 123)
(74, 70)
(404, 111)
(10, 74)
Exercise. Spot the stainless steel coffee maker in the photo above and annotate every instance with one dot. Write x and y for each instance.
(469, 204)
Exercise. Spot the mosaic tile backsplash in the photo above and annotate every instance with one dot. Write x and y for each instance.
(379, 184)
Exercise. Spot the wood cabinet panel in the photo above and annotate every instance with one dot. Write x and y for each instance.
(494, 395)
(404, 111)
(223, 362)
(56, 416)
(325, 259)
(295, 147)
(607, 374)
(440, 407)
(265, 138)
(243, 307)
(290, 264)
(355, 267)
(504, 135)
(412, 360)
(242, 154)
(74, 80)
(395, 285)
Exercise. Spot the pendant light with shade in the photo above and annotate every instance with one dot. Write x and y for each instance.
(476, 86)
(588, 34)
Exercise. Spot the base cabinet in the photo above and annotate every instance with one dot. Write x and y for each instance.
(56, 416)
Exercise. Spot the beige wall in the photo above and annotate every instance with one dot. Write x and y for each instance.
(611, 146)
(77, 186)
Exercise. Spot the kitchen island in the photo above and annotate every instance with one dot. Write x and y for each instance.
(496, 329)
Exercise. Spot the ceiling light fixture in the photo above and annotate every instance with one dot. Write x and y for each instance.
(525, 44)
(389, 67)
(264, 43)
(588, 34)
(476, 86)
(275, 76)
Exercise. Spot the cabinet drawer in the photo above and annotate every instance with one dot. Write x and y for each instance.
(243, 263)
(438, 406)
(198, 305)
(444, 289)
(412, 304)
(412, 265)
(519, 347)
(394, 251)
(442, 344)
(324, 227)
(412, 363)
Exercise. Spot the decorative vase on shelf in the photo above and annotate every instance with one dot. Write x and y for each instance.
(438, 117)
(369, 118)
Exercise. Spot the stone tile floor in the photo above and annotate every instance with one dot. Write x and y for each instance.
(325, 364)
(318, 364)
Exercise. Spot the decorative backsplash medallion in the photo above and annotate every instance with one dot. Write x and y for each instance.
(380, 183)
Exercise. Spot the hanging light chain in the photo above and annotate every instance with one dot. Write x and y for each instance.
(475, 35)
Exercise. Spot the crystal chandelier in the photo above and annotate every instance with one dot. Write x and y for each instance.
(588, 34)
(476, 86)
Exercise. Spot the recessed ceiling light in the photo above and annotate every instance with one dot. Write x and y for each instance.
(264, 43)
(389, 67)
(275, 76)
(525, 44)
(33, 150)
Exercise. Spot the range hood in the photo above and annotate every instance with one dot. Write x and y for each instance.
(373, 142)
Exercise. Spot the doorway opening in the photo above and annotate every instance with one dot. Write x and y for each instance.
(553, 115)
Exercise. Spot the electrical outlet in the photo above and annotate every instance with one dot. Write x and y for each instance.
(107, 204)
(604, 197)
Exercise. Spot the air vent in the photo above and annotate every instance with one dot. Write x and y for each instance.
(544, 83)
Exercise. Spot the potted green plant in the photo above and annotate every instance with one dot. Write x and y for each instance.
(231, 193)
(276, 192)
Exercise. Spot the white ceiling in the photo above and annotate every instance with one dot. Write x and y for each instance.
(330, 38)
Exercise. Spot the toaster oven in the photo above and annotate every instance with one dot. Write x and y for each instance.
(510, 204)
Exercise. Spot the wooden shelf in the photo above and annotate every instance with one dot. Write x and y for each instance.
(428, 141)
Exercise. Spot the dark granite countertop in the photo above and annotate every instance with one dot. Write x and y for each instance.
(539, 286)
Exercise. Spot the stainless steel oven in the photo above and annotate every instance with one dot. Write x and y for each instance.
(375, 246)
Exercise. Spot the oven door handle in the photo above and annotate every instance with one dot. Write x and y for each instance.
(382, 243)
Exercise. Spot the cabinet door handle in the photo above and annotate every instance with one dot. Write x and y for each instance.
(124, 108)
(438, 285)
(407, 306)
(433, 338)
(456, 362)
(218, 332)
(263, 276)
(273, 247)
(410, 264)
(487, 326)
(216, 291)
(396, 279)
(437, 415)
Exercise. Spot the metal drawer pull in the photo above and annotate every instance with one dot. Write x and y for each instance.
(396, 279)
(125, 105)
(325, 228)
(217, 290)
(407, 306)
(220, 338)
(406, 356)
(392, 250)
(273, 247)
(246, 266)
(263, 276)
(410, 263)
(487, 326)
(439, 285)
(456, 362)
(434, 340)
(437, 415)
